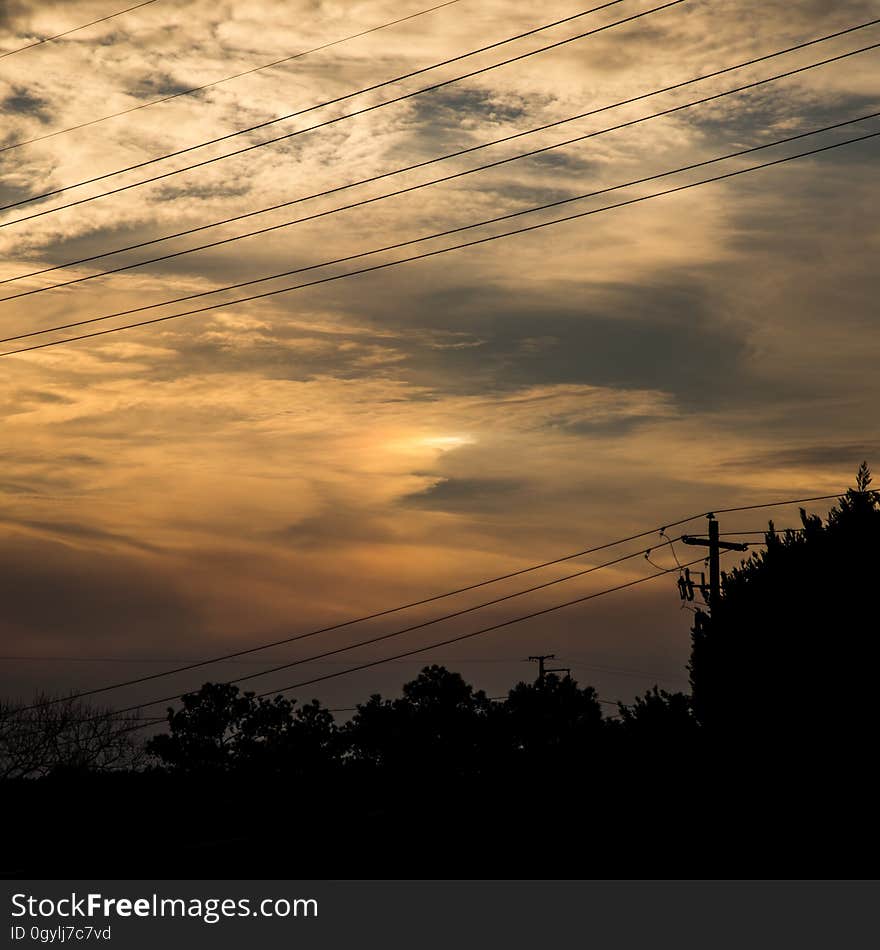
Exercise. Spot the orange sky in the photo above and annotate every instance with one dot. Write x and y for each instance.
(217, 480)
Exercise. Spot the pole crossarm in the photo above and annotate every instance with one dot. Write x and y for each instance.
(706, 542)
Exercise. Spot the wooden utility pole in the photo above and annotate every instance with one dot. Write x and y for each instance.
(715, 546)
(544, 670)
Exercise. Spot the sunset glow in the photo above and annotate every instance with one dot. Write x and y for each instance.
(226, 476)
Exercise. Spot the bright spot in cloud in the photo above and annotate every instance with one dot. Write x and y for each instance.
(446, 442)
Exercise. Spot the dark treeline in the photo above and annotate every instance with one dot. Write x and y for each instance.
(766, 768)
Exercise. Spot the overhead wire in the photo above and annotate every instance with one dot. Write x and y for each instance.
(463, 660)
(483, 145)
(217, 82)
(429, 254)
(76, 29)
(731, 534)
(417, 187)
(775, 504)
(423, 649)
(324, 124)
(659, 566)
(456, 230)
(473, 633)
(338, 626)
(397, 633)
(383, 613)
(344, 649)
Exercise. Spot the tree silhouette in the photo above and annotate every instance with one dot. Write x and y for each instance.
(203, 734)
(550, 718)
(788, 662)
(221, 729)
(659, 720)
(438, 725)
(65, 734)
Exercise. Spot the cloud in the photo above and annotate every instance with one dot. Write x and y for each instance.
(340, 448)
(11, 11)
(469, 494)
(845, 456)
(78, 532)
(21, 100)
(54, 595)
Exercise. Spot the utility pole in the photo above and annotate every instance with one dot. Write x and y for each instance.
(543, 670)
(715, 546)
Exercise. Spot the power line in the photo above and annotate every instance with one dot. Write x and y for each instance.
(76, 29)
(146, 722)
(483, 145)
(655, 676)
(654, 564)
(290, 115)
(325, 123)
(368, 642)
(217, 82)
(396, 633)
(419, 186)
(640, 674)
(429, 254)
(462, 660)
(731, 534)
(774, 504)
(756, 507)
(46, 658)
(474, 633)
(457, 230)
(426, 600)
(347, 623)
(424, 649)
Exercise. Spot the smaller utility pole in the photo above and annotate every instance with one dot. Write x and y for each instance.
(544, 670)
(715, 546)
(540, 661)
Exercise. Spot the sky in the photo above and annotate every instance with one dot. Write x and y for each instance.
(211, 482)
